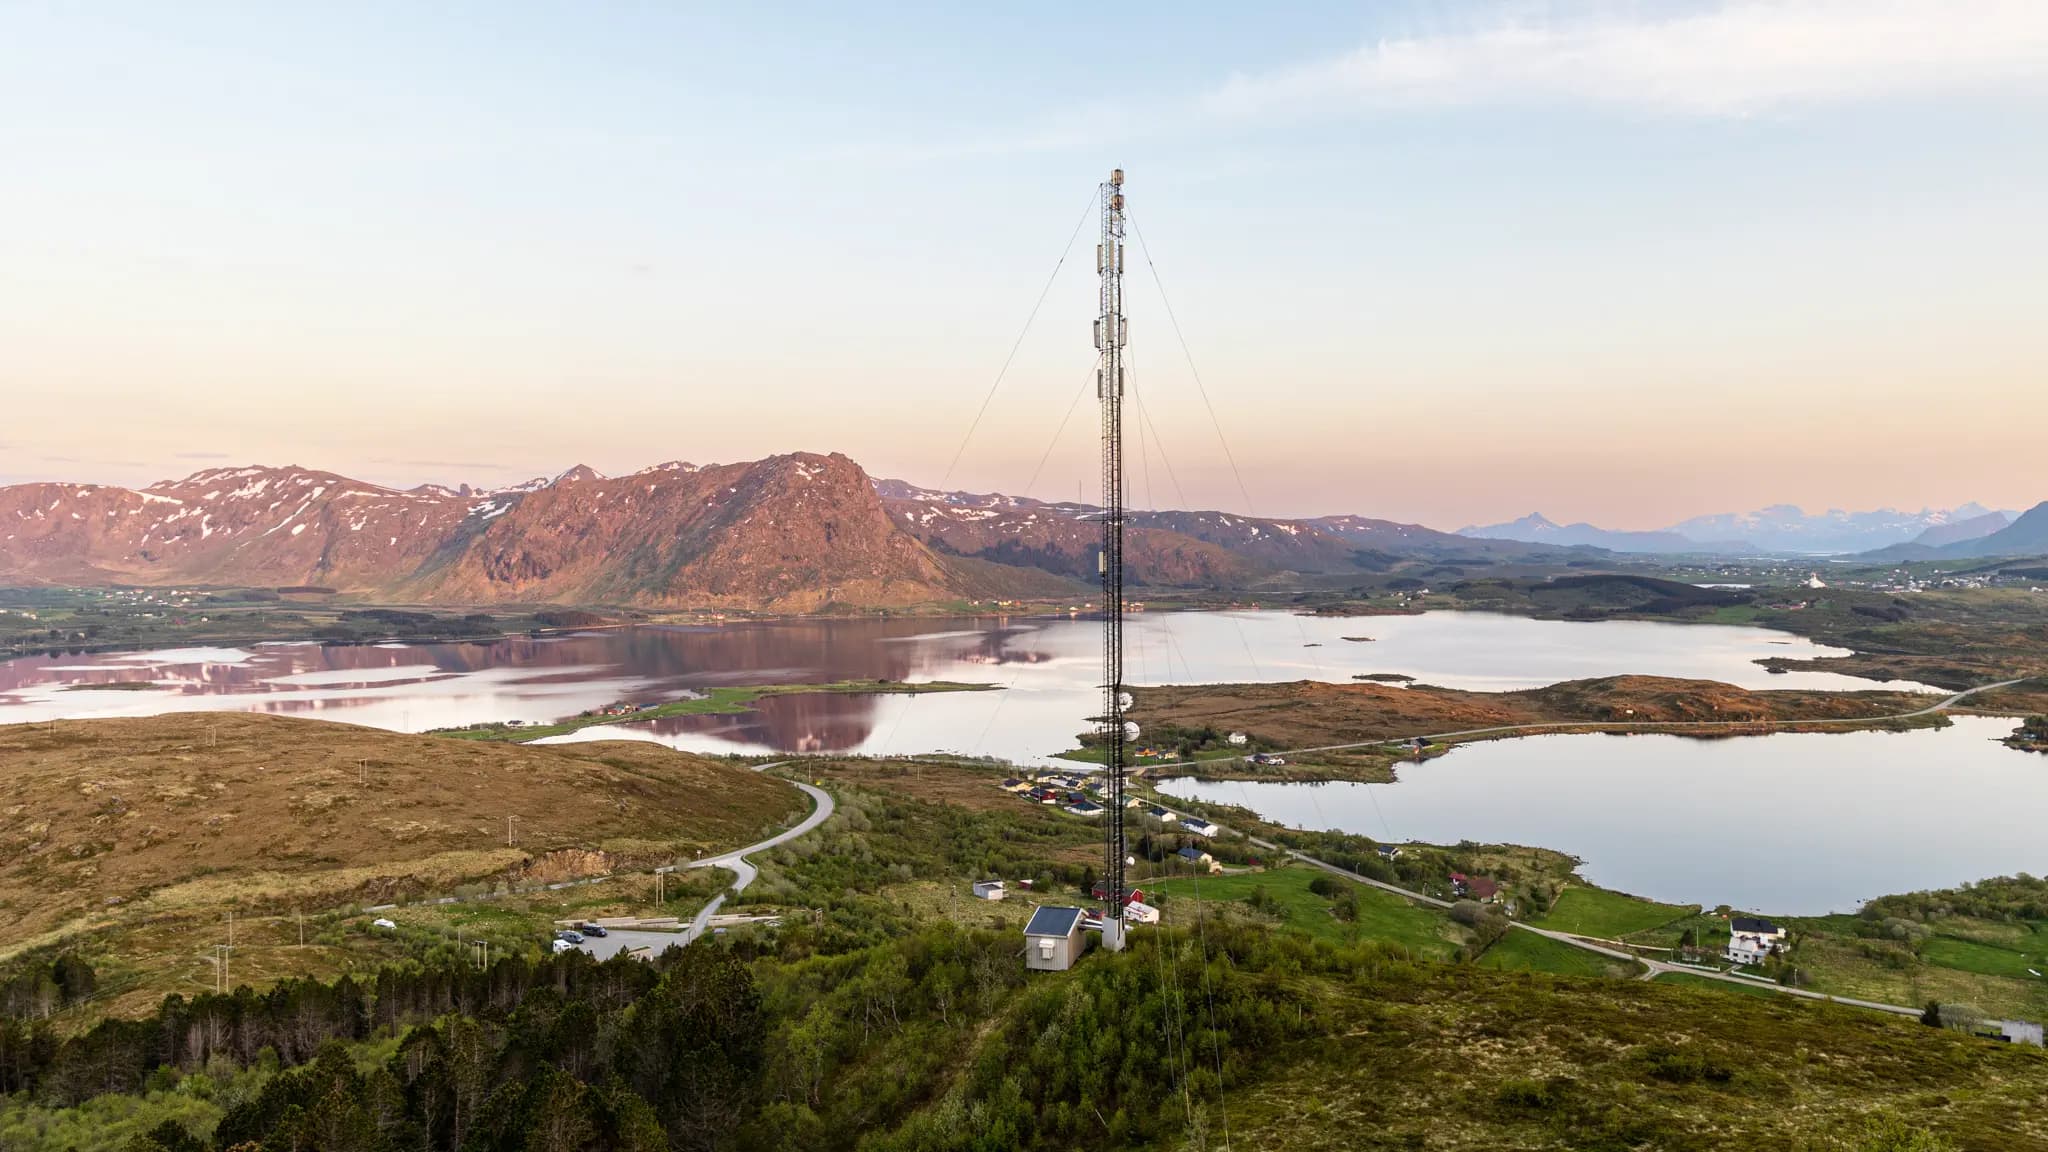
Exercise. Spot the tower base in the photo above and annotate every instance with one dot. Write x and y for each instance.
(1113, 934)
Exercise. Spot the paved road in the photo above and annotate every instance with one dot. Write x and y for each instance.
(1653, 968)
(1623, 725)
(618, 940)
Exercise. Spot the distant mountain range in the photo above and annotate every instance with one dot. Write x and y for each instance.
(797, 532)
(1781, 528)
(2025, 535)
(1535, 528)
(787, 533)
(792, 533)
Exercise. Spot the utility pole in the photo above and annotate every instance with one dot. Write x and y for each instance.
(509, 839)
(1111, 332)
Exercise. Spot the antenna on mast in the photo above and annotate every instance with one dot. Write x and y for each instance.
(1111, 332)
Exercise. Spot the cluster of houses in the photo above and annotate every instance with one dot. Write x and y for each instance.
(619, 709)
(1083, 797)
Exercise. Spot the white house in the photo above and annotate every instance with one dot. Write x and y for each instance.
(1752, 940)
(1139, 912)
(1198, 827)
(1052, 938)
(989, 890)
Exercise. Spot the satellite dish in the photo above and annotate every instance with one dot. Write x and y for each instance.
(1130, 730)
(1130, 861)
(1124, 700)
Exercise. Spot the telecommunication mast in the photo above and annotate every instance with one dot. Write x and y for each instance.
(1111, 332)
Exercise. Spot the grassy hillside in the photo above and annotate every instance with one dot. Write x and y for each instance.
(156, 828)
(891, 1016)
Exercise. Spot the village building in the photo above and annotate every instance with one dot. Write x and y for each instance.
(2019, 1032)
(1139, 912)
(989, 890)
(1752, 940)
(1197, 827)
(1052, 938)
(1484, 889)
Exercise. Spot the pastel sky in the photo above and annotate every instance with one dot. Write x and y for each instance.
(1446, 262)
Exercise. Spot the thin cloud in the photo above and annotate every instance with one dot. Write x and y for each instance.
(1729, 59)
(469, 465)
(199, 456)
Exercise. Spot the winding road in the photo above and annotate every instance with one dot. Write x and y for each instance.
(822, 807)
(1653, 968)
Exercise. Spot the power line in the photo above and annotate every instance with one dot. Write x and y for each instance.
(1192, 370)
(1019, 343)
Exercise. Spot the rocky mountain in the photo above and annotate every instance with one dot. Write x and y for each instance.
(1171, 547)
(2025, 536)
(786, 533)
(1781, 528)
(1958, 531)
(1536, 528)
(1787, 528)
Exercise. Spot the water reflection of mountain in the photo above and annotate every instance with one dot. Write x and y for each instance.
(806, 723)
(525, 677)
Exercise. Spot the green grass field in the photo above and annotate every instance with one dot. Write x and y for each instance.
(1688, 980)
(1984, 959)
(1608, 915)
(1381, 915)
(713, 701)
(1528, 952)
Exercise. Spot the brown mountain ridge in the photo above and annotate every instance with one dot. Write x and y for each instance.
(789, 533)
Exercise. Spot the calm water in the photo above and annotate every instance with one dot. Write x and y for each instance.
(1791, 824)
(1048, 668)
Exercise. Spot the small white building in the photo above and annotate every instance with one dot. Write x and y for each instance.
(1198, 827)
(1237, 739)
(1052, 938)
(1139, 912)
(1752, 940)
(989, 890)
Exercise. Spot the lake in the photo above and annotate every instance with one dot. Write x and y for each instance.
(1793, 824)
(1047, 666)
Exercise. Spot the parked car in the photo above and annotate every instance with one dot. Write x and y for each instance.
(597, 930)
(384, 924)
(569, 936)
(561, 946)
